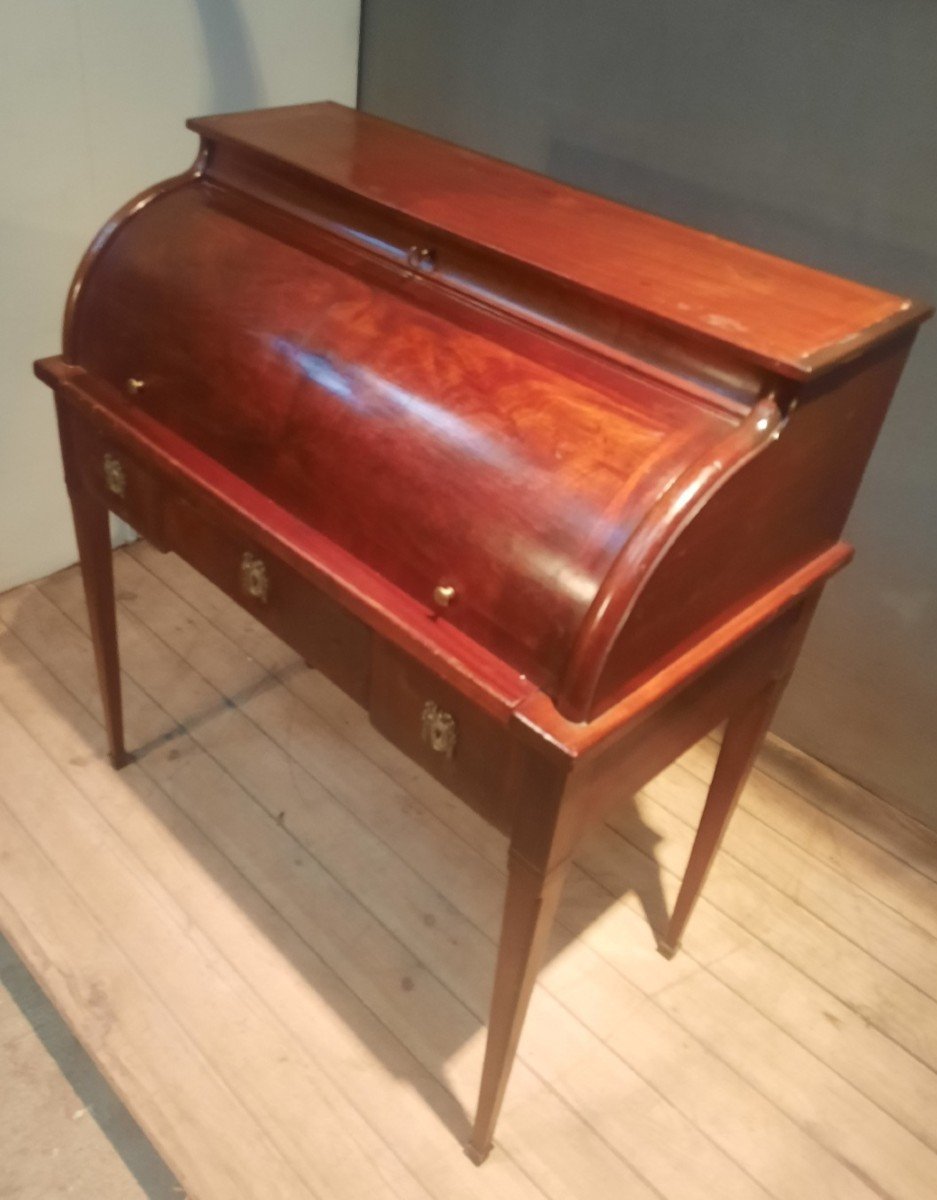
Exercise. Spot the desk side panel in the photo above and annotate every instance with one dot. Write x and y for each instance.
(789, 503)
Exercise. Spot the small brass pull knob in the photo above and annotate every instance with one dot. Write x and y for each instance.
(421, 258)
(114, 475)
(443, 595)
(135, 386)
(254, 579)
(439, 729)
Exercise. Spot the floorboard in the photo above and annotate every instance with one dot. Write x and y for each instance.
(275, 937)
(64, 1131)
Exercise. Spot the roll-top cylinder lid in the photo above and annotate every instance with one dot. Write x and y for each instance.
(495, 472)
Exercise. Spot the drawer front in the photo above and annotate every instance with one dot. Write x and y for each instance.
(329, 638)
(433, 724)
(117, 477)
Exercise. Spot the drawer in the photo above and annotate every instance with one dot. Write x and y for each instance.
(329, 638)
(117, 477)
(437, 727)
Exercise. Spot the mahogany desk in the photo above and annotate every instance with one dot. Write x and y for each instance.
(549, 485)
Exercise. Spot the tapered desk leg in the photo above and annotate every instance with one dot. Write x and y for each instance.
(744, 734)
(92, 531)
(740, 745)
(529, 908)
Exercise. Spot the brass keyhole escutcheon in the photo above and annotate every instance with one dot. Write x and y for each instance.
(254, 579)
(114, 475)
(134, 386)
(439, 729)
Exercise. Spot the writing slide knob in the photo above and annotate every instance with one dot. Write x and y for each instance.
(443, 595)
(421, 258)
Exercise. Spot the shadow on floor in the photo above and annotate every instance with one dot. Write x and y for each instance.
(127, 1139)
(180, 803)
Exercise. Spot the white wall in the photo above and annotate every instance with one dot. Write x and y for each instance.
(93, 99)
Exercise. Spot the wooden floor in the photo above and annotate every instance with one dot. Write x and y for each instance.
(63, 1132)
(275, 936)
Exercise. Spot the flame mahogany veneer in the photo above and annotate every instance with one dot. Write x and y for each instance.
(549, 485)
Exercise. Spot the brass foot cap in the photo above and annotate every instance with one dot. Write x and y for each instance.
(667, 950)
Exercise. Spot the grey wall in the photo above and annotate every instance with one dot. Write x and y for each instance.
(806, 128)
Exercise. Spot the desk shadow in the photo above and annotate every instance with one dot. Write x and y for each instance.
(637, 872)
(413, 965)
(129, 1142)
(355, 952)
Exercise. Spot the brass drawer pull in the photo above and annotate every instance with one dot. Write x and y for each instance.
(254, 579)
(439, 729)
(114, 475)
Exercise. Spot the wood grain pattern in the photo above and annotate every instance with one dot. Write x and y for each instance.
(477, 468)
(645, 1095)
(784, 315)
(557, 492)
(502, 487)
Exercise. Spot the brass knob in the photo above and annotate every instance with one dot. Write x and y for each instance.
(443, 595)
(421, 258)
(134, 386)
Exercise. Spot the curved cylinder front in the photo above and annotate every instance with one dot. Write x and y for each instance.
(439, 456)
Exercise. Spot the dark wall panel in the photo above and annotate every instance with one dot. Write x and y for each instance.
(806, 129)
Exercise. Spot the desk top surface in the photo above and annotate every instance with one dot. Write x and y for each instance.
(777, 313)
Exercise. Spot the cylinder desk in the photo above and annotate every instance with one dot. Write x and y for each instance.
(550, 486)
